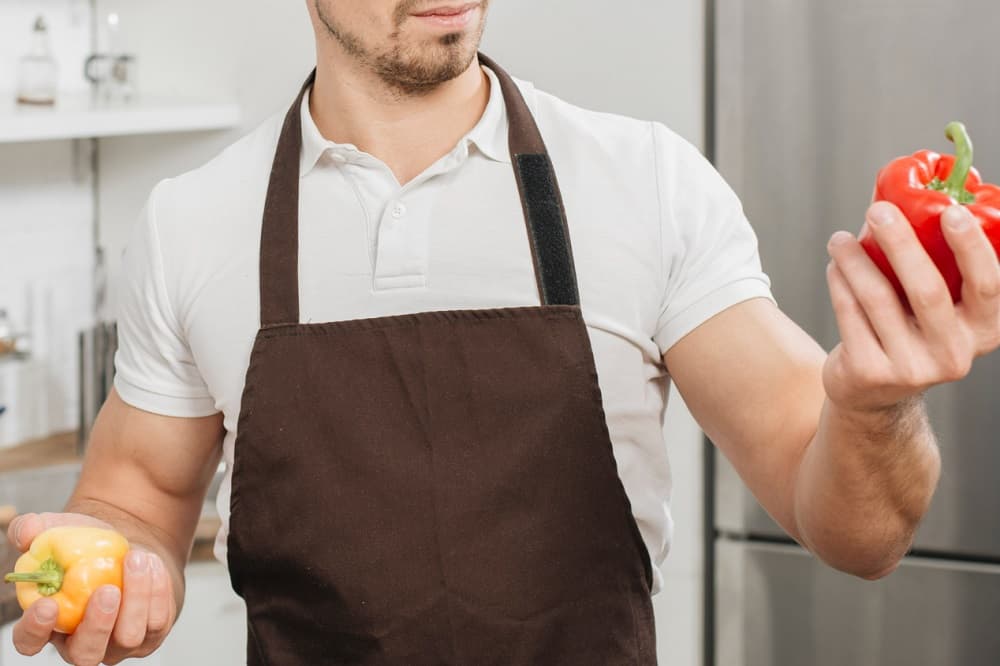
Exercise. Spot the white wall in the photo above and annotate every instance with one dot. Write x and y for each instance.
(256, 53)
(46, 227)
(641, 58)
(636, 57)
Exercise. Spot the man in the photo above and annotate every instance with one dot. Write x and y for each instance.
(443, 434)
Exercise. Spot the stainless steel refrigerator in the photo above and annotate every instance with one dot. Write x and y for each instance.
(812, 97)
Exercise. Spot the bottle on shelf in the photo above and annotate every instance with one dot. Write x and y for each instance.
(6, 334)
(12, 344)
(38, 73)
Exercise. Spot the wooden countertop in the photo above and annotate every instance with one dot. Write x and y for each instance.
(9, 608)
(57, 449)
(7, 514)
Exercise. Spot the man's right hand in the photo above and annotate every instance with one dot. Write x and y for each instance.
(117, 624)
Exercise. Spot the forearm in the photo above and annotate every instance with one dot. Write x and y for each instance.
(147, 476)
(173, 549)
(863, 485)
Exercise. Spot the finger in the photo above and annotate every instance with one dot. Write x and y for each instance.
(23, 529)
(87, 645)
(130, 629)
(158, 623)
(922, 281)
(873, 291)
(977, 261)
(856, 331)
(35, 627)
(59, 642)
(16, 528)
(160, 604)
(160, 597)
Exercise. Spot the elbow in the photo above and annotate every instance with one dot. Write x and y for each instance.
(878, 573)
(866, 564)
(870, 561)
(870, 554)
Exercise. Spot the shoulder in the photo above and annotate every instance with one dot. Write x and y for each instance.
(203, 223)
(632, 148)
(227, 189)
(568, 127)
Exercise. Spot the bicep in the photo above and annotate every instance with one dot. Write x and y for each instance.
(156, 468)
(155, 368)
(753, 381)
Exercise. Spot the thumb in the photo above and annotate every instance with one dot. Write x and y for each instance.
(23, 529)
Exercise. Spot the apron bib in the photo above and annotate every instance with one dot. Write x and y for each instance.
(437, 488)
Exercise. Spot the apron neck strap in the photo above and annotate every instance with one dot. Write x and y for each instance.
(541, 200)
(279, 234)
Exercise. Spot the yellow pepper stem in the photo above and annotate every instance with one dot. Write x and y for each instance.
(49, 577)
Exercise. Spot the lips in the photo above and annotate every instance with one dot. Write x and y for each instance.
(448, 11)
(449, 18)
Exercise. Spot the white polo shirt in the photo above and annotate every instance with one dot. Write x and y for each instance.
(660, 241)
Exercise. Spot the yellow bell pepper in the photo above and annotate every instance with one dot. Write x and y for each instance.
(69, 564)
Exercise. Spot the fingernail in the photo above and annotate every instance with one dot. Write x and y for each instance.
(881, 215)
(17, 531)
(156, 564)
(108, 598)
(46, 612)
(958, 218)
(136, 561)
(841, 237)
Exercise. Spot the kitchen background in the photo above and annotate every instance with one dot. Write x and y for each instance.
(851, 83)
(73, 179)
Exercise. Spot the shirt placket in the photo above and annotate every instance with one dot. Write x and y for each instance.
(401, 217)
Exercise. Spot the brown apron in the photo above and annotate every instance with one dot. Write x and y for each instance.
(436, 488)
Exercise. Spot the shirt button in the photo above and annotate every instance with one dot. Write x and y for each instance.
(398, 211)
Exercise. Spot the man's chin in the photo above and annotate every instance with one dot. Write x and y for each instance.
(444, 61)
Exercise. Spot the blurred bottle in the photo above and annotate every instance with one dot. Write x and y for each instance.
(6, 334)
(38, 73)
(12, 343)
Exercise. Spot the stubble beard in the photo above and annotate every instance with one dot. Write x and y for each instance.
(414, 69)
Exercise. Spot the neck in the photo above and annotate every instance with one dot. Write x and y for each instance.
(408, 133)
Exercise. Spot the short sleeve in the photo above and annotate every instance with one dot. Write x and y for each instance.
(710, 256)
(154, 368)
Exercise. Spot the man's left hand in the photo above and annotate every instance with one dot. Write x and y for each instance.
(888, 355)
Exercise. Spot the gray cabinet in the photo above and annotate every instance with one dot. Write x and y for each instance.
(777, 606)
(814, 97)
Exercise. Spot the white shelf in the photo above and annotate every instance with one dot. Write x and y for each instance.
(77, 116)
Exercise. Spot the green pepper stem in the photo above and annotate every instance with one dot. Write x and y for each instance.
(955, 186)
(41, 577)
(48, 578)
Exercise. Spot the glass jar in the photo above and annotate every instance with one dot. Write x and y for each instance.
(38, 73)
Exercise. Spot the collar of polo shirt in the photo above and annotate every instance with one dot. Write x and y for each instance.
(489, 135)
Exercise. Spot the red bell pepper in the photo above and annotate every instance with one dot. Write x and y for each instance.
(923, 186)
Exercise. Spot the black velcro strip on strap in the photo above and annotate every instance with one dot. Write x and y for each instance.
(547, 229)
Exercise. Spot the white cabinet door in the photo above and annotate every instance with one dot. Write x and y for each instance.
(212, 628)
